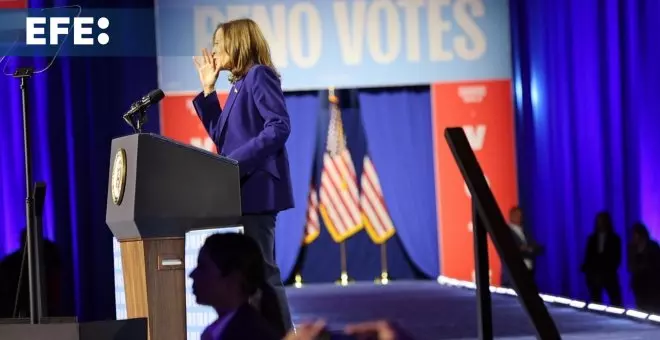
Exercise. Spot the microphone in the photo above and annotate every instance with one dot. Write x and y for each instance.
(135, 116)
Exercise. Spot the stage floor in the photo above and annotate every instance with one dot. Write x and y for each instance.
(431, 311)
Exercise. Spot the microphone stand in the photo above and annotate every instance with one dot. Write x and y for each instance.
(136, 118)
(34, 236)
(34, 233)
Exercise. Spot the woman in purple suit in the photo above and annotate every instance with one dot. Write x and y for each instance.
(252, 129)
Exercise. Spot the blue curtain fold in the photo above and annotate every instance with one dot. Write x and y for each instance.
(289, 232)
(584, 126)
(75, 110)
(399, 136)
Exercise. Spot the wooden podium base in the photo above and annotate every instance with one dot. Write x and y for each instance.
(155, 287)
(19, 329)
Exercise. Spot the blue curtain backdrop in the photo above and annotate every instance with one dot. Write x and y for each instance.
(399, 132)
(303, 109)
(76, 109)
(586, 126)
(321, 262)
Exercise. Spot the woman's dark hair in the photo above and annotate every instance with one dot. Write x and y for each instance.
(640, 229)
(237, 253)
(603, 218)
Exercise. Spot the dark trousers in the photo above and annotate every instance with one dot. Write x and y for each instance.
(261, 228)
(646, 292)
(609, 282)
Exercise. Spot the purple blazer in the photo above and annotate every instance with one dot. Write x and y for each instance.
(253, 129)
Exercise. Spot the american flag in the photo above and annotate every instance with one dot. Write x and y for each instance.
(339, 201)
(376, 218)
(312, 225)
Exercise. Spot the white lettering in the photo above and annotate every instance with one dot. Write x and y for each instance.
(384, 27)
(31, 31)
(207, 144)
(411, 10)
(437, 27)
(79, 31)
(206, 19)
(274, 31)
(392, 25)
(314, 35)
(56, 30)
(465, 21)
(475, 135)
(351, 41)
(237, 12)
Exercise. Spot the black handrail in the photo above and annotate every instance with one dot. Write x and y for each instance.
(487, 218)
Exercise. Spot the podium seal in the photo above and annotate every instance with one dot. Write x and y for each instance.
(118, 181)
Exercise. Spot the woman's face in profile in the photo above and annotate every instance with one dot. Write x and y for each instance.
(206, 280)
(219, 51)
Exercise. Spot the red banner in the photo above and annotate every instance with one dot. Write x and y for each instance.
(13, 4)
(485, 111)
(179, 121)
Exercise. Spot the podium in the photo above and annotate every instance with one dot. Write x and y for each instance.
(158, 190)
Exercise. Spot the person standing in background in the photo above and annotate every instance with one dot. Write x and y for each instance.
(528, 248)
(644, 268)
(252, 129)
(602, 261)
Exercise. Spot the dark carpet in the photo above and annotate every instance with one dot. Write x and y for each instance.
(429, 310)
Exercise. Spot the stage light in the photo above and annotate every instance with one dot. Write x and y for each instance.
(615, 310)
(655, 318)
(500, 290)
(636, 314)
(596, 307)
(548, 298)
(563, 300)
(577, 304)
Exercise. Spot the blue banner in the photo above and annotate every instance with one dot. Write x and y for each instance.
(197, 317)
(351, 43)
(79, 32)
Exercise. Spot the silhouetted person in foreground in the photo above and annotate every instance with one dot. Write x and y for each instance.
(602, 261)
(10, 274)
(230, 271)
(644, 267)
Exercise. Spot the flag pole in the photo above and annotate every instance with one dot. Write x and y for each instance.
(344, 279)
(383, 279)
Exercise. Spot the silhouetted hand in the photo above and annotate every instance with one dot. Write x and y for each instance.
(308, 331)
(377, 330)
(370, 330)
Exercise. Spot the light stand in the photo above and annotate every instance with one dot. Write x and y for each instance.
(34, 237)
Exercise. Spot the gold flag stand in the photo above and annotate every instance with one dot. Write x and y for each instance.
(383, 279)
(298, 282)
(344, 280)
